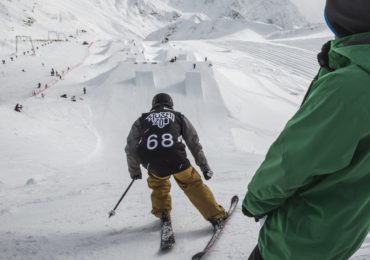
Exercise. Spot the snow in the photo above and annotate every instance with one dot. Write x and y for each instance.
(312, 10)
(193, 85)
(62, 163)
(280, 12)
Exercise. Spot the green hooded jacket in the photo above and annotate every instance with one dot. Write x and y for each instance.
(314, 184)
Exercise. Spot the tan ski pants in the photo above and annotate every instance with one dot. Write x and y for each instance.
(191, 183)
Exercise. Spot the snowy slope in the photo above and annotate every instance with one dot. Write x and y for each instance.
(102, 19)
(312, 10)
(279, 12)
(62, 165)
(132, 19)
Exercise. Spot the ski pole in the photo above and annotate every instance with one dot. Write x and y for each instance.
(113, 212)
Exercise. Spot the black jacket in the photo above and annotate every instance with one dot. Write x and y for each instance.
(156, 142)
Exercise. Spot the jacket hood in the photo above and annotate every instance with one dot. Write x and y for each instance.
(353, 49)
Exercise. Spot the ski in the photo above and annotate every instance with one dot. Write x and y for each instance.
(167, 235)
(217, 231)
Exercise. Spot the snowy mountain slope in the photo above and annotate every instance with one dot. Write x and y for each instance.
(279, 12)
(62, 165)
(100, 18)
(230, 17)
(135, 18)
(212, 29)
(312, 10)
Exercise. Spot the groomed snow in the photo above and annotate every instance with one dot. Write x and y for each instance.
(63, 167)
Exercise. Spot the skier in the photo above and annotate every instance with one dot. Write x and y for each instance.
(52, 72)
(84, 90)
(313, 185)
(194, 66)
(155, 141)
(18, 108)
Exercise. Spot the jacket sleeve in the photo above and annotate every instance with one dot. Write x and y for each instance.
(133, 139)
(192, 141)
(320, 139)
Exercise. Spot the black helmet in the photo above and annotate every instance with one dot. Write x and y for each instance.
(346, 17)
(162, 99)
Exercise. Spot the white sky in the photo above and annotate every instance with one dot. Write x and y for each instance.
(312, 9)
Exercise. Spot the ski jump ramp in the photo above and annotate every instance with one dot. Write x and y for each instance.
(145, 86)
(145, 80)
(193, 85)
(182, 57)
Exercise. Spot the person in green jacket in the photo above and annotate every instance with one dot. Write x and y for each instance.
(314, 184)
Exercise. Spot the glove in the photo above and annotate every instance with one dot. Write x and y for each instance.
(248, 214)
(136, 175)
(208, 174)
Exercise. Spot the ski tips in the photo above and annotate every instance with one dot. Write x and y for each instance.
(111, 213)
(198, 256)
(217, 232)
(166, 248)
(234, 198)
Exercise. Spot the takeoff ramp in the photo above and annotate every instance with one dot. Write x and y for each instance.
(193, 85)
(182, 57)
(145, 80)
(145, 85)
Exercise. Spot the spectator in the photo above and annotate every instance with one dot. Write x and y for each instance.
(313, 185)
(18, 108)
